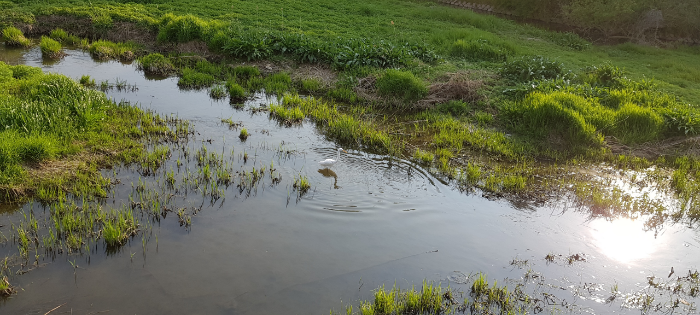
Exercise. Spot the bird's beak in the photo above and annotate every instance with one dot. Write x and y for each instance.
(345, 151)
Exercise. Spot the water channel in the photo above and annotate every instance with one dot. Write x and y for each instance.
(369, 221)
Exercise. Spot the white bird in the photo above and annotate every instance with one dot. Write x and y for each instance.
(331, 162)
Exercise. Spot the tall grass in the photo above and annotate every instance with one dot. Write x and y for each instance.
(401, 84)
(12, 36)
(51, 48)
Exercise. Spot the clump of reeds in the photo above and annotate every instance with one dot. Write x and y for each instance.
(243, 135)
(235, 91)
(51, 48)
(401, 84)
(217, 92)
(14, 37)
(156, 63)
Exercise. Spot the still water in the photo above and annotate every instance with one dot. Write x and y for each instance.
(367, 222)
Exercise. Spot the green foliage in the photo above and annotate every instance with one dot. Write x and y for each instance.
(525, 69)
(59, 35)
(51, 48)
(59, 117)
(235, 91)
(23, 72)
(551, 117)
(455, 108)
(156, 63)
(190, 78)
(243, 135)
(423, 157)
(635, 124)
(246, 72)
(278, 83)
(293, 114)
(605, 75)
(105, 50)
(341, 94)
(12, 36)
(477, 50)
(311, 85)
(183, 28)
(87, 81)
(217, 92)
(401, 84)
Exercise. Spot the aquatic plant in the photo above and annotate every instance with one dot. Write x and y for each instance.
(12, 36)
(156, 63)
(51, 48)
(190, 78)
(105, 50)
(236, 91)
(301, 184)
(87, 81)
(423, 156)
(290, 115)
(217, 92)
(243, 135)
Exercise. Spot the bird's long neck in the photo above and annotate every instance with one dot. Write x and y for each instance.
(338, 159)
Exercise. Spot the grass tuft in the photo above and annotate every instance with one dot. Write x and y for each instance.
(51, 48)
(12, 36)
(401, 84)
(156, 63)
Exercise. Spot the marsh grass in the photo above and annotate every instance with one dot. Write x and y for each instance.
(87, 81)
(51, 48)
(401, 84)
(243, 135)
(106, 50)
(218, 92)
(12, 36)
(423, 157)
(235, 91)
(289, 115)
(191, 78)
(301, 184)
(156, 63)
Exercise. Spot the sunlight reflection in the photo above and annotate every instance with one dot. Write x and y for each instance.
(623, 240)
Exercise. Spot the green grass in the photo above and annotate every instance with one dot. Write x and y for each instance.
(51, 48)
(61, 118)
(156, 63)
(236, 91)
(282, 113)
(106, 50)
(401, 84)
(243, 135)
(190, 78)
(423, 156)
(14, 37)
(217, 92)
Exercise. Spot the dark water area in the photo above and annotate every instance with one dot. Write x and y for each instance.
(369, 221)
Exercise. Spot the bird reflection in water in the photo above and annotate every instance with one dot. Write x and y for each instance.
(326, 172)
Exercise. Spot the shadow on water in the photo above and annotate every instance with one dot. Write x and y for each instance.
(222, 237)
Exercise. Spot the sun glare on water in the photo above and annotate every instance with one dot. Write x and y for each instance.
(623, 240)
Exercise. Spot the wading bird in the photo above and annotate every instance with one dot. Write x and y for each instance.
(331, 162)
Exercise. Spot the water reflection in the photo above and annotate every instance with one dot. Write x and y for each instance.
(327, 172)
(623, 240)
